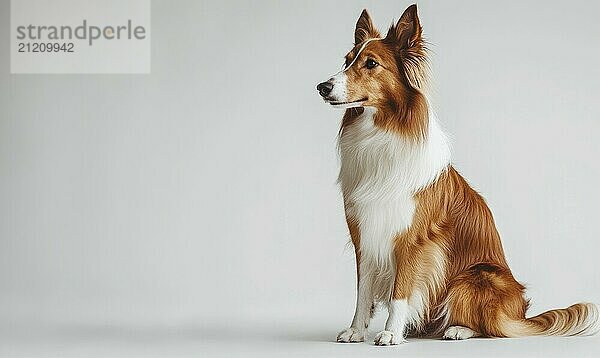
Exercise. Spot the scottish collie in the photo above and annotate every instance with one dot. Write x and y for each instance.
(425, 242)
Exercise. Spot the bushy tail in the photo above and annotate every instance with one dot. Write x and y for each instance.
(581, 319)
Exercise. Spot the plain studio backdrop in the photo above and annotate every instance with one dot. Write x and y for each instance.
(194, 211)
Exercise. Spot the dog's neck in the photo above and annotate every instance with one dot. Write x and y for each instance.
(382, 163)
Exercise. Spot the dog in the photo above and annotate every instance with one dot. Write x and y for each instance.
(425, 242)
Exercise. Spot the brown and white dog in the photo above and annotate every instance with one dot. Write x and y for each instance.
(426, 244)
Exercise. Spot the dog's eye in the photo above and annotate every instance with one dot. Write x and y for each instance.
(371, 63)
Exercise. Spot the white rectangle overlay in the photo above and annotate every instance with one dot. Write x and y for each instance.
(80, 36)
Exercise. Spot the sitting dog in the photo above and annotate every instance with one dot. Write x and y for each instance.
(425, 242)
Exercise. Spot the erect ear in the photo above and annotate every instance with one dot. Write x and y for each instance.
(364, 28)
(407, 31)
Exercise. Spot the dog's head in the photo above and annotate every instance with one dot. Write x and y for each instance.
(387, 73)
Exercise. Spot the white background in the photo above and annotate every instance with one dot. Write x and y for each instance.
(194, 211)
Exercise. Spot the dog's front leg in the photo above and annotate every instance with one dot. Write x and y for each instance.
(362, 315)
(395, 326)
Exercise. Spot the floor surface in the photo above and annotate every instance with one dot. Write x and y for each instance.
(302, 339)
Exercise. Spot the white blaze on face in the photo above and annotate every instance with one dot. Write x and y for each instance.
(339, 93)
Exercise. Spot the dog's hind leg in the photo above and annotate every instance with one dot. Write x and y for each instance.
(481, 299)
(459, 333)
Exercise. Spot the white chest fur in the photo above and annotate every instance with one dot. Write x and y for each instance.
(380, 173)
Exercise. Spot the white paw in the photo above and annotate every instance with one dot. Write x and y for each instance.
(459, 332)
(388, 338)
(351, 335)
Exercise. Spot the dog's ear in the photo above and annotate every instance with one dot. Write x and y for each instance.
(364, 28)
(407, 31)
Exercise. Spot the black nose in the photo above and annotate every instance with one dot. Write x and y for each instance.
(324, 88)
